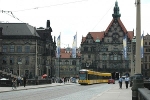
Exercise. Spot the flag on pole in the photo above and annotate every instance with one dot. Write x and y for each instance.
(125, 46)
(74, 46)
(142, 51)
(58, 47)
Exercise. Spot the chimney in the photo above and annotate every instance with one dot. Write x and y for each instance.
(48, 24)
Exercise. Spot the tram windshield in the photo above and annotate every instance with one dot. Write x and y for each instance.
(82, 76)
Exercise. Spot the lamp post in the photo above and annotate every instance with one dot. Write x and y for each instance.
(19, 63)
(87, 66)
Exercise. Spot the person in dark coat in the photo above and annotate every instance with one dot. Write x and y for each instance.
(127, 81)
(24, 81)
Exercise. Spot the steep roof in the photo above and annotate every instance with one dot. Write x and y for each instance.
(130, 34)
(18, 29)
(95, 35)
(65, 54)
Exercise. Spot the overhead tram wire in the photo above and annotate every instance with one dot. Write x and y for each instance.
(10, 13)
(50, 6)
(103, 16)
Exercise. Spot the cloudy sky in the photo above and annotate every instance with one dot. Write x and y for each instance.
(69, 17)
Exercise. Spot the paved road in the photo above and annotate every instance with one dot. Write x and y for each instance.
(65, 92)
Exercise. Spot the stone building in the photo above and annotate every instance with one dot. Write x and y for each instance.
(103, 51)
(146, 56)
(66, 65)
(26, 50)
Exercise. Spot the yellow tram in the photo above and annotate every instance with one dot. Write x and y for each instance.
(92, 77)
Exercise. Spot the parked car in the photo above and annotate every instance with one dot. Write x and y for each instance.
(111, 81)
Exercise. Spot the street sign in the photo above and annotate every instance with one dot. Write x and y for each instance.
(19, 63)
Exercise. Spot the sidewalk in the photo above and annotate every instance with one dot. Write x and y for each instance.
(9, 89)
(115, 93)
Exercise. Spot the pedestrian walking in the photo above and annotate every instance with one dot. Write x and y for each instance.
(120, 82)
(127, 81)
(64, 80)
(24, 81)
(19, 81)
(14, 83)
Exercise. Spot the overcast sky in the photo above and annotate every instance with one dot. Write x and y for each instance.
(71, 16)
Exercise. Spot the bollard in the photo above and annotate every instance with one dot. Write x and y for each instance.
(137, 83)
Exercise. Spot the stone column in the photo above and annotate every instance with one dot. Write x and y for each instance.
(138, 37)
(138, 77)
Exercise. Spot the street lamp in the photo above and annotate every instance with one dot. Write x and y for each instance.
(87, 65)
(19, 63)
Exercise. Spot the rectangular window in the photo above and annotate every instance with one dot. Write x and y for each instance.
(27, 49)
(146, 58)
(89, 56)
(119, 57)
(145, 66)
(19, 48)
(27, 60)
(107, 40)
(4, 48)
(115, 57)
(11, 60)
(4, 60)
(12, 48)
(111, 57)
(104, 57)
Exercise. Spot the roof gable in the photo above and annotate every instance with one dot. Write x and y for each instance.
(130, 34)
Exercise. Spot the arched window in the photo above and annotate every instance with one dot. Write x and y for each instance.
(66, 62)
(73, 62)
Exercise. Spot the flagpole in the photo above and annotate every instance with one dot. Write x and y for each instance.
(142, 49)
(59, 55)
(76, 40)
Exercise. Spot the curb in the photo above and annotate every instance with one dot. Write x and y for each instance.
(33, 87)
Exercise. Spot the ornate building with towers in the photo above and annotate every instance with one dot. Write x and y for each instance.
(104, 51)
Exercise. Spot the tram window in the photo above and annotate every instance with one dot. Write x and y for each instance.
(106, 77)
(82, 76)
(90, 77)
